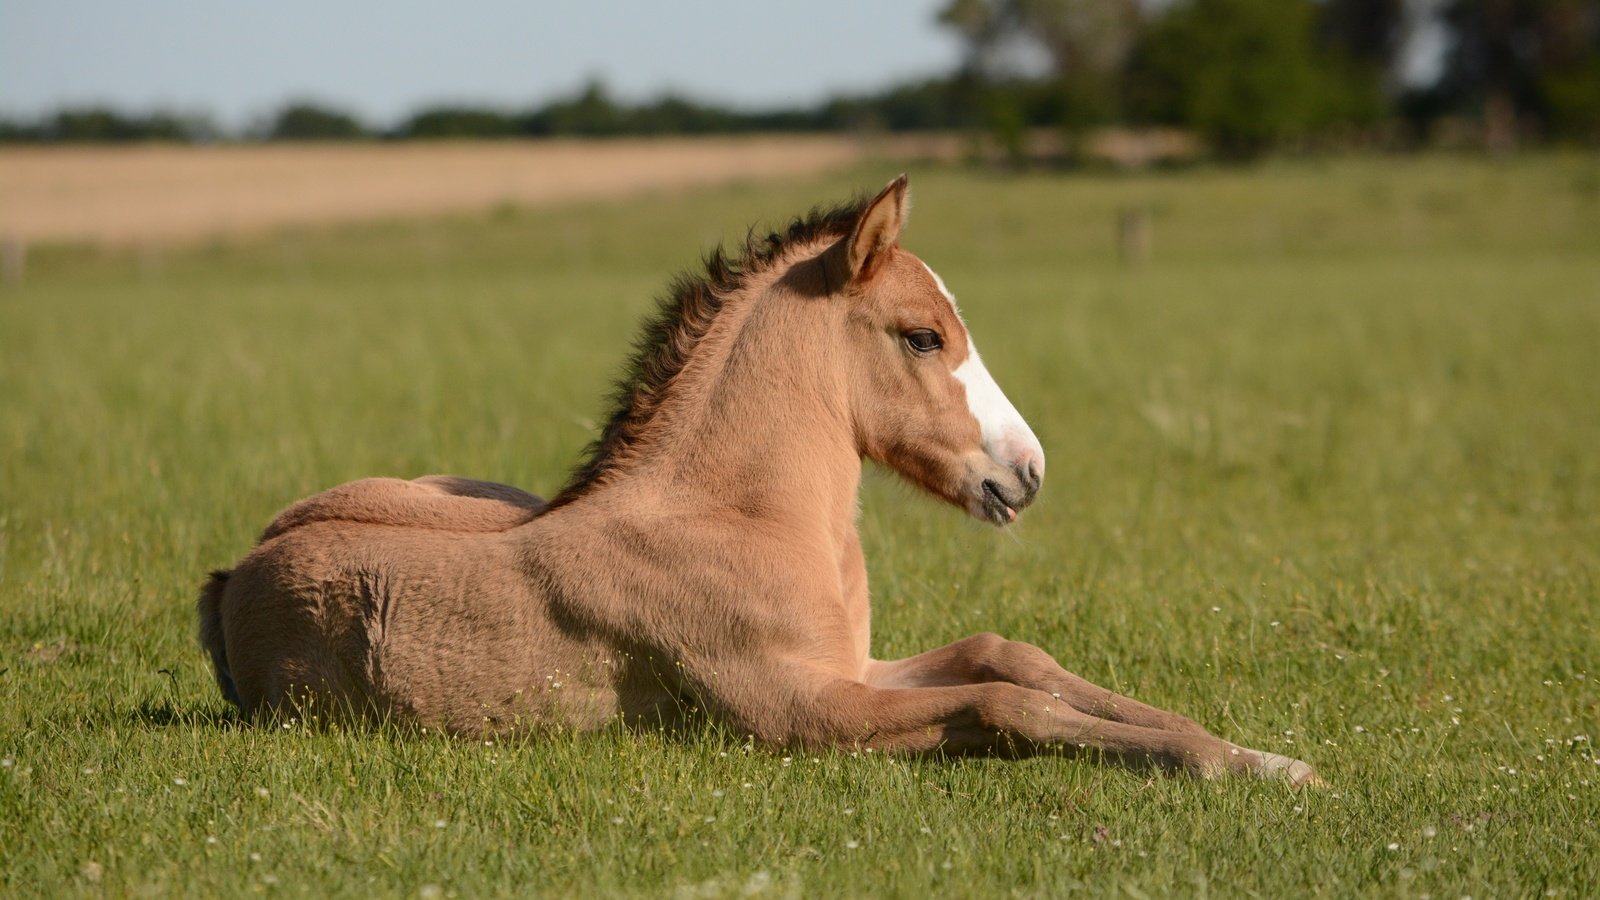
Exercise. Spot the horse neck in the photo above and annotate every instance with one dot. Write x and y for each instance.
(758, 423)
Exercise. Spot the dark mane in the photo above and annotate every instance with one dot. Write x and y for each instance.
(669, 336)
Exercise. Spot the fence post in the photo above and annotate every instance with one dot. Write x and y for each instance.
(1133, 236)
(13, 259)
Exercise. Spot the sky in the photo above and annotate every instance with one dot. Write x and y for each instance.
(239, 60)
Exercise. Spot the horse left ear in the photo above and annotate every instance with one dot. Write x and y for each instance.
(877, 230)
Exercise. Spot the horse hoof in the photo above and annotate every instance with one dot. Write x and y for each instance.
(1305, 777)
(1297, 773)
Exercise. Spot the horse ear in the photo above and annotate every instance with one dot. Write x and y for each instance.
(877, 230)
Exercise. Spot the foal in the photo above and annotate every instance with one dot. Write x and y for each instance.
(706, 554)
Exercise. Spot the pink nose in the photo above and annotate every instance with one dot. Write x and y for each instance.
(1030, 471)
(1026, 459)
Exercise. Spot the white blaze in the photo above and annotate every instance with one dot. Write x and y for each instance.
(1006, 435)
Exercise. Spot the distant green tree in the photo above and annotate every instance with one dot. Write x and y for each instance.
(100, 125)
(458, 122)
(1077, 49)
(93, 125)
(18, 131)
(937, 103)
(1571, 98)
(1247, 74)
(591, 113)
(1524, 66)
(1362, 43)
(673, 114)
(1368, 32)
(304, 121)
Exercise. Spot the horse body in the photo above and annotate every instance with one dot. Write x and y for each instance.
(707, 555)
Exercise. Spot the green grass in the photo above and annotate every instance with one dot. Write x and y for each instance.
(1324, 475)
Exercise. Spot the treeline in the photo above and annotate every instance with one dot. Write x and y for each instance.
(591, 112)
(1246, 75)
(1250, 75)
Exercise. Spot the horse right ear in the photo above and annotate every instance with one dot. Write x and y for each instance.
(875, 232)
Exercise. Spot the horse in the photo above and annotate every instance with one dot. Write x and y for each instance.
(705, 556)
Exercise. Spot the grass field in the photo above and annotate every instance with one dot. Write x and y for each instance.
(1325, 475)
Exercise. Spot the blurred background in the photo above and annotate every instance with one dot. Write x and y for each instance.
(364, 111)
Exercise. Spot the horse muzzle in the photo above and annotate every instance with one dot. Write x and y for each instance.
(1000, 491)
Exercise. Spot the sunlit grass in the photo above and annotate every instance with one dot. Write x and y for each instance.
(1323, 475)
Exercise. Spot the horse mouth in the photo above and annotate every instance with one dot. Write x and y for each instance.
(995, 507)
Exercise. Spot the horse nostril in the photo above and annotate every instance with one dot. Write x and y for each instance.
(1028, 476)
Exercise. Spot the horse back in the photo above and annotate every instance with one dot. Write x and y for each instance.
(433, 502)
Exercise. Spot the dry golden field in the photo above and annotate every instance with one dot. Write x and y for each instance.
(164, 194)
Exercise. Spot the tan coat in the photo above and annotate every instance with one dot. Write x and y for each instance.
(706, 555)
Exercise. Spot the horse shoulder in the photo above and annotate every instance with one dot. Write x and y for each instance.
(438, 502)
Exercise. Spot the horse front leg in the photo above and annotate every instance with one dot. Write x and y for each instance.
(992, 717)
(989, 658)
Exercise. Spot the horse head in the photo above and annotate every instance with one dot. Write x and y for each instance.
(921, 400)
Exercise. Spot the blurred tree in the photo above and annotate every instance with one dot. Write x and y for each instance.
(1571, 97)
(17, 131)
(1362, 43)
(458, 122)
(102, 125)
(673, 114)
(96, 124)
(303, 121)
(1245, 73)
(1077, 50)
(1369, 32)
(592, 113)
(1524, 65)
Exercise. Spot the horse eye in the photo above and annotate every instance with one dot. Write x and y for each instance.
(923, 340)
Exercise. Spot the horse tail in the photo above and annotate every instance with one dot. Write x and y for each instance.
(210, 609)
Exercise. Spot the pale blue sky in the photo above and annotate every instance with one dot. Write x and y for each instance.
(241, 60)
